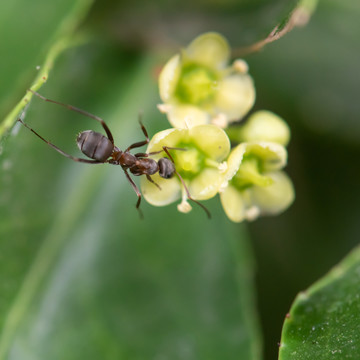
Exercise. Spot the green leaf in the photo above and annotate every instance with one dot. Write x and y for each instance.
(323, 322)
(56, 27)
(85, 277)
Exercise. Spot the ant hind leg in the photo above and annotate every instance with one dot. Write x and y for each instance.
(83, 112)
(87, 161)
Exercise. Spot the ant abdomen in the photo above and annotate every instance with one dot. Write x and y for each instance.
(95, 145)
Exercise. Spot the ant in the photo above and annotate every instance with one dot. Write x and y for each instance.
(101, 149)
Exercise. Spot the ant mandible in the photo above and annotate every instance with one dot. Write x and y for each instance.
(101, 149)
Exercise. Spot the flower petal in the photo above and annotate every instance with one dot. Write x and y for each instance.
(170, 190)
(235, 96)
(210, 49)
(233, 204)
(266, 126)
(234, 161)
(206, 185)
(168, 137)
(187, 116)
(212, 140)
(272, 155)
(169, 77)
(275, 198)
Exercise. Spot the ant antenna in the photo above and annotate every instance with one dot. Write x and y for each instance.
(165, 148)
(192, 199)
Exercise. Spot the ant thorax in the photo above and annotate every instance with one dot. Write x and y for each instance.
(144, 166)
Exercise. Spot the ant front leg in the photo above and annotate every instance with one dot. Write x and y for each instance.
(153, 182)
(167, 152)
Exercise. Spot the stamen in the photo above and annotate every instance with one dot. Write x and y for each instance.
(184, 206)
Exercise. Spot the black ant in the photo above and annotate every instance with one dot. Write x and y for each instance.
(101, 149)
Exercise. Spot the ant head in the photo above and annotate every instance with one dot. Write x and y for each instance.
(166, 168)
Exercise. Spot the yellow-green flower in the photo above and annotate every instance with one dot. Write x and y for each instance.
(262, 125)
(198, 158)
(198, 87)
(254, 183)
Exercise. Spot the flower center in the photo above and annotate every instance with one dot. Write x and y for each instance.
(197, 85)
(190, 162)
(249, 174)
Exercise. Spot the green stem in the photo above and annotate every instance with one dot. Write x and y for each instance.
(63, 39)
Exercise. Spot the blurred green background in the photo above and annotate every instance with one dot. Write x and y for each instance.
(81, 275)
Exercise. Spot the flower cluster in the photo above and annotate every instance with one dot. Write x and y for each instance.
(198, 87)
(202, 94)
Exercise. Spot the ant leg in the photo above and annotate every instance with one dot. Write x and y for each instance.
(137, 191)
(87, 161)
(85, 113)
(140, 155)
(140, 143)
(169, 148)
(142, 126)
(165, 148)
(191, 198)
(153, 182)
